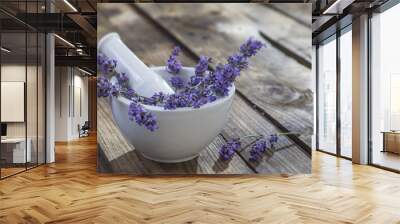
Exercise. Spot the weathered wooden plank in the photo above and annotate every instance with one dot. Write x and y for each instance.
(286, 157)
(275, 82)
(113, 146)
(290, 160)
(208, 161)
(281, 30)
(120, 19)
(299, 12)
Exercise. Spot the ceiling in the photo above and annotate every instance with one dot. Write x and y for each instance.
(74, 22)
(332, 15)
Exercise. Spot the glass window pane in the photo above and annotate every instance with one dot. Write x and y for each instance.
(31, 98)
(346, 94)
(385, 84)
(41, 98)
(13, 86)
(22, 88)
(327, 97)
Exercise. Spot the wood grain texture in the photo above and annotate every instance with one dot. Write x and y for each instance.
(70, 191)
(281, 28)
(299, 12)
(276, 83)
(244, 120)
(285, 157)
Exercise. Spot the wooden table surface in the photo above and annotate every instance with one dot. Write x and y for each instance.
(273, 95)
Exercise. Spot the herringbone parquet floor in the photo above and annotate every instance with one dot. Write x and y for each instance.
(70, 191)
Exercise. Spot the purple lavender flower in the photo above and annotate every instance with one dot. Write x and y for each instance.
(195, 80)
(239, 61)
(202, 65)
(220, 82)
(128, 93)
(227, 150)
(251, 47)
(105, 65)
(150, 101)
(200, 102)
(230, 72)
(142, 116)
(211, 98)
(115, 90)
(170, 103)
(177, 82)
(157, 98)
(177, 100)
(101, 58)
(173, 64)
(221, 88)
(175, 52)
(103, 87)
(273, 139)
(122, 78)
(207, 92)
(257, 149)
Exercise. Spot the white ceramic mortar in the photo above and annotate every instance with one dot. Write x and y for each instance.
(182, 132)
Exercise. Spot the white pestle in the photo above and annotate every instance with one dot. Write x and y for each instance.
(141, 78)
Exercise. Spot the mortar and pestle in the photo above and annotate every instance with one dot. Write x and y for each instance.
(182, 132)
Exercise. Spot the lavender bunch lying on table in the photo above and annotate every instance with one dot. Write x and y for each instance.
(204, 87)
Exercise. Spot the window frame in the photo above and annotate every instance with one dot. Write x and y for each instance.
(334, 37)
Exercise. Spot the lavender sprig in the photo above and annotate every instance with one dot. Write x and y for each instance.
(239, 61)
(202, 65)
(141, 116)
(227, 150)
(258, 148)
(105, 65)
(177, 82)
(173, 64)
(251, 47)
(103, 87)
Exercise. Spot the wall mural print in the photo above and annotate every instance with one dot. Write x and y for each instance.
(204, 89)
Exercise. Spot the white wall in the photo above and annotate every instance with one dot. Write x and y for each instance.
(12, 73)
(61, 103)
(80, 96)
(70, 83)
